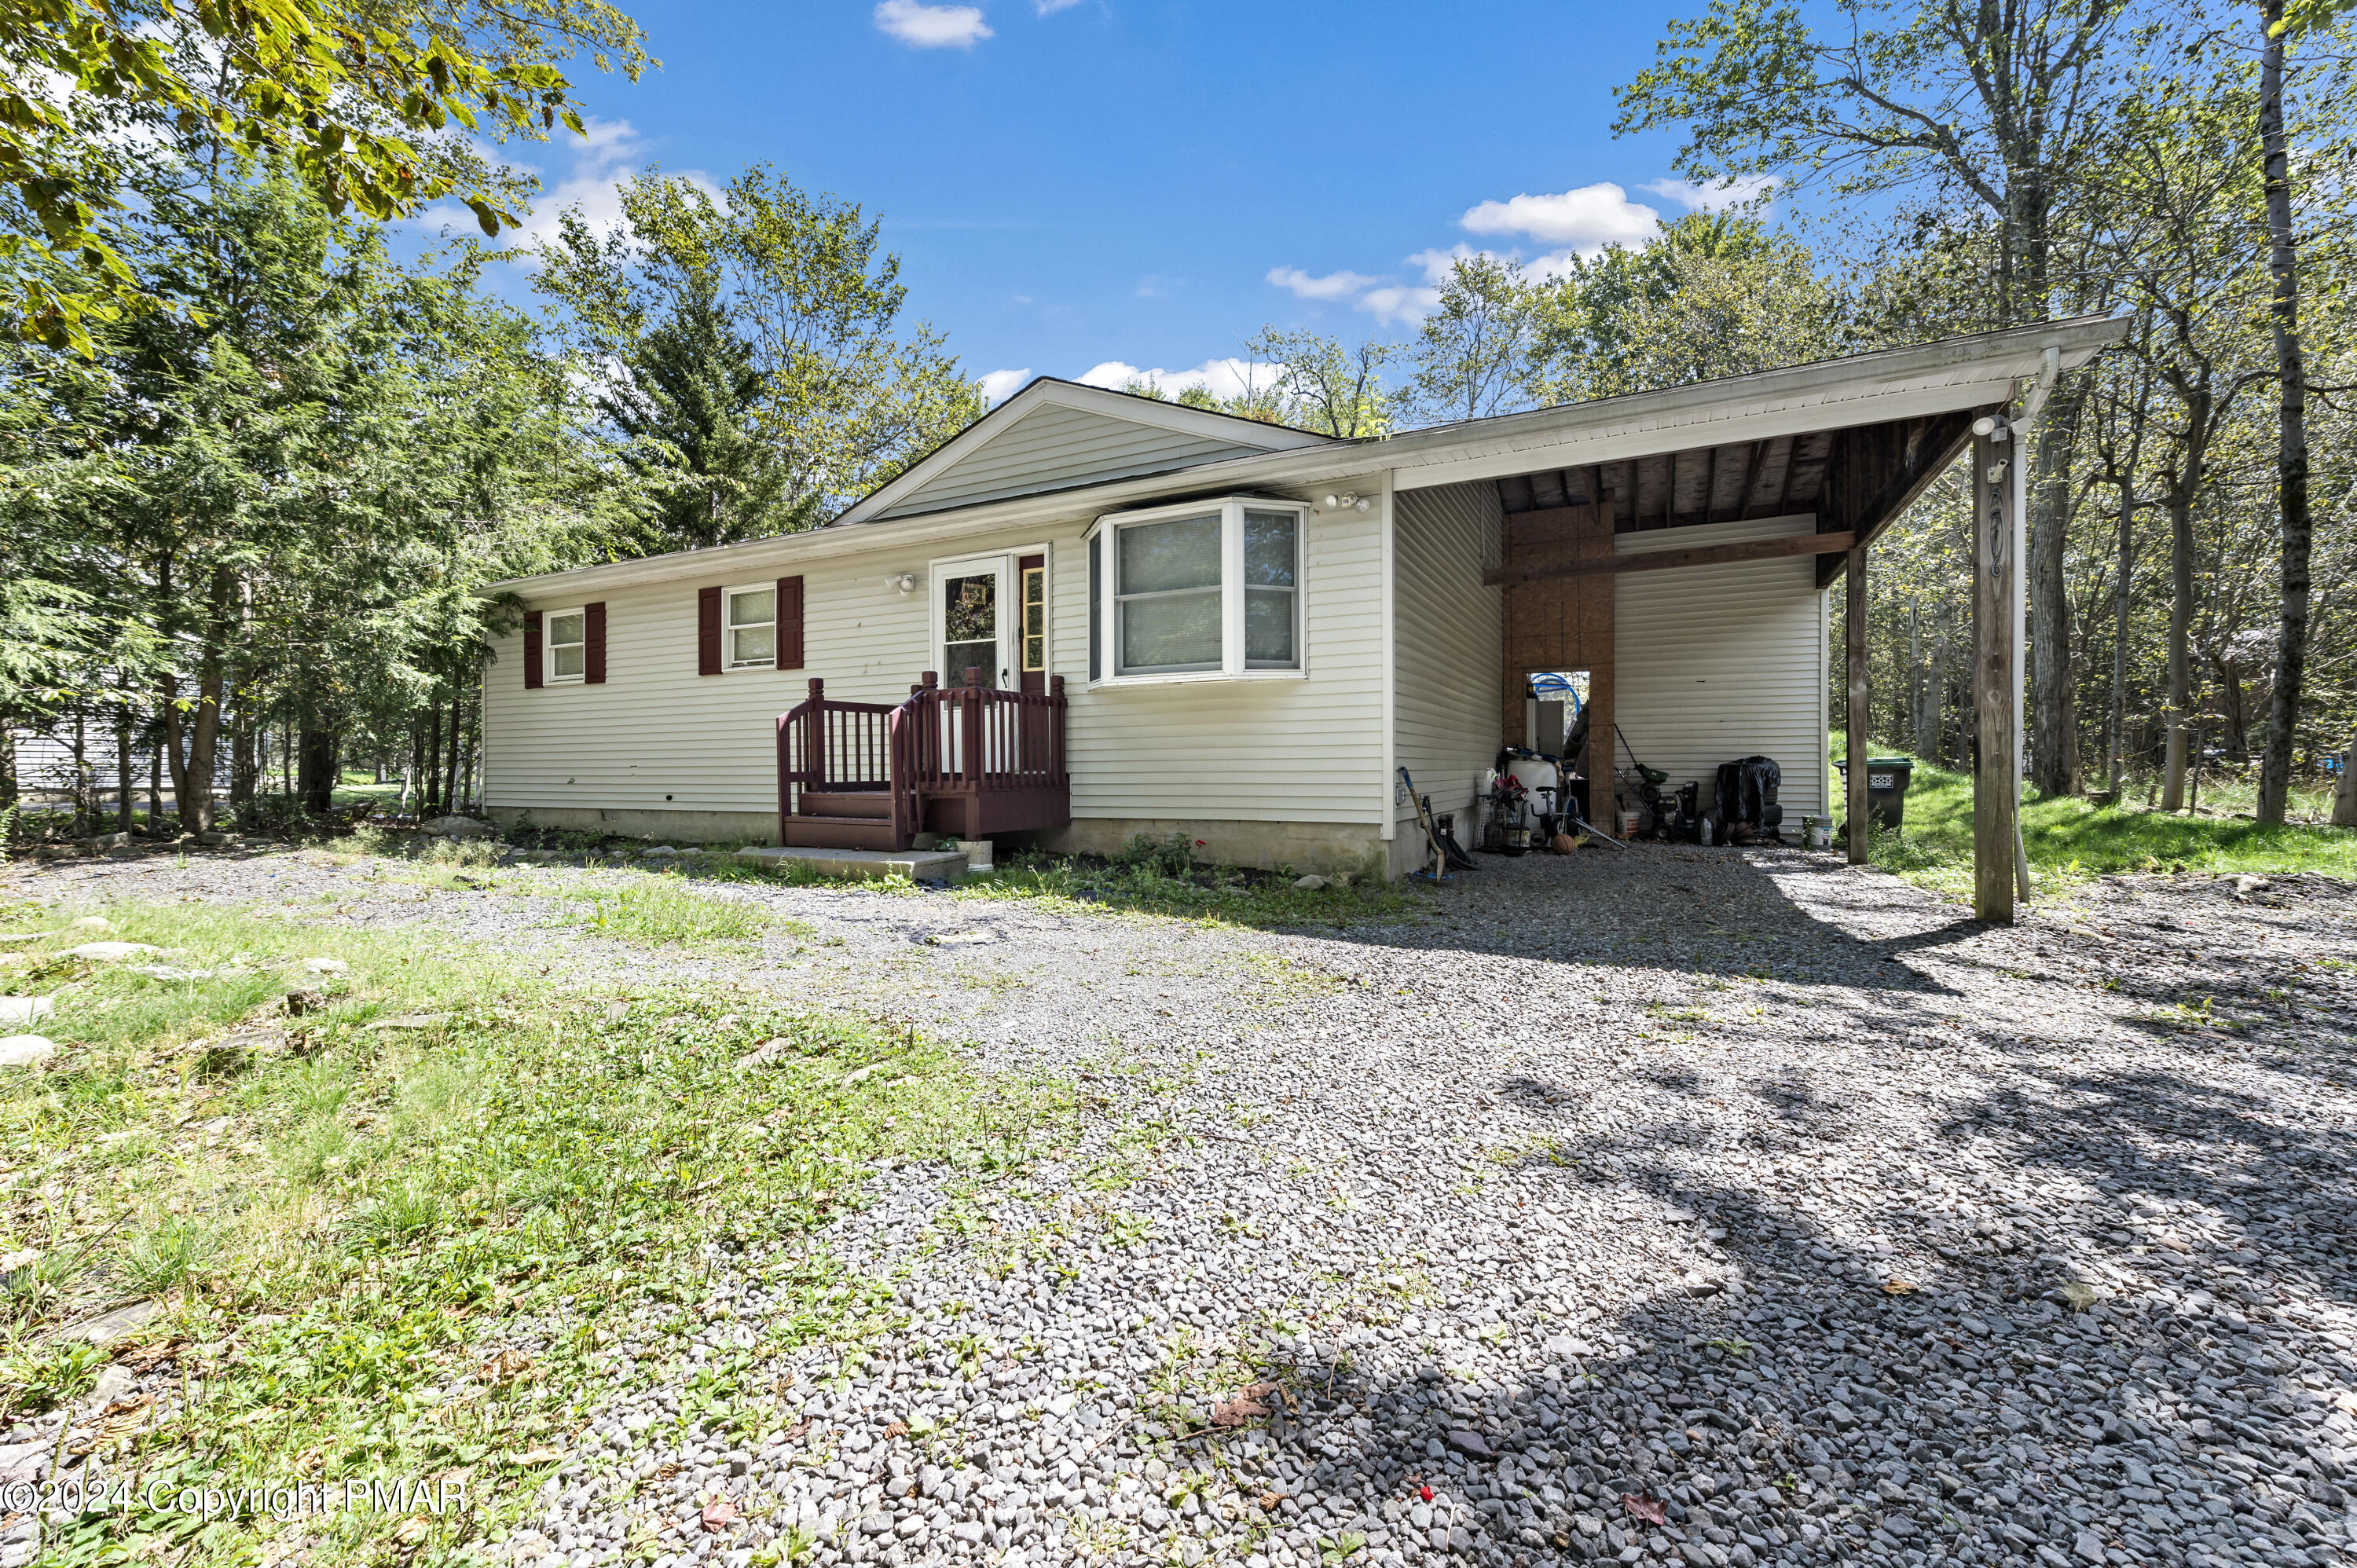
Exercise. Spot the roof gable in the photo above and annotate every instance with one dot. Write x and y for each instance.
(1055, 436)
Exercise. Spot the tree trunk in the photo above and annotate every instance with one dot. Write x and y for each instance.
(429, 799)
(457, 714)
(2344, 794)
(2117, 747)
(2291, 447)
(155, 785)
(122, 780)
(317, 771)
(2180, 661)
(2054, 719)
(81, 786)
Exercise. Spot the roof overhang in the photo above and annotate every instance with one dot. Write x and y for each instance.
(1865, 389)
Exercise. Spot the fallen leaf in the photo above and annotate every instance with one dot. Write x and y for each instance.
(1895, 1286)
(719, 1514)
(508, 1363)
(897, 1429)
(1641, 1504)
(2347, 1401)
(1268, 1501)
(1248, 1402)
(543, 1455)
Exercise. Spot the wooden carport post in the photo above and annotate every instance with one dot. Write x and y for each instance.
(1854, 598)
(1996, 673)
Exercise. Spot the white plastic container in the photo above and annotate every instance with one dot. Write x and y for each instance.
(1536, 774)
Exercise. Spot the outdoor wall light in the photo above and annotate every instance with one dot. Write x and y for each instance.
(906, 582)
(1351, 499)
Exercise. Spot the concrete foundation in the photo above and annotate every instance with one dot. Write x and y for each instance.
(1355, 849)
(672, 827)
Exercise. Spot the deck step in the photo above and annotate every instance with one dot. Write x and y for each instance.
(875, 805)
(839, 833)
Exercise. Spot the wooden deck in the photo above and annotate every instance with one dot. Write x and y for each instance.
(968, 761)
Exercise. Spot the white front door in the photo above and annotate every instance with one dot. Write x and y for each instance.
(973, 620)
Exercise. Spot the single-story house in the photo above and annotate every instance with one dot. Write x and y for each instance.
(1090, 615)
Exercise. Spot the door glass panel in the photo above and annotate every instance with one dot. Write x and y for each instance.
(1035, 618)
(970, 628)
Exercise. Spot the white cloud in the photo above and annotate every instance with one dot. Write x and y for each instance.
(1587, 218)
(601, 161)
(1221, 377)
(1712, 198)
(922, 27)
(1333, 286)
(997, 386)
(1050, 7)
(1400, 303)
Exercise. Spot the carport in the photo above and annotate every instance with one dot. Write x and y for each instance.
(1675, 505)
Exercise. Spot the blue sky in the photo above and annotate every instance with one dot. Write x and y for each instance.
(1080, 187)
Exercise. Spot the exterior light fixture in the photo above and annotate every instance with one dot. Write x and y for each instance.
(906, 582)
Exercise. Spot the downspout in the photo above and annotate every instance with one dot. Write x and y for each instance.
(2050, 371)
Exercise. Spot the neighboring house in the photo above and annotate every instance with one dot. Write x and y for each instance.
(1180, 621)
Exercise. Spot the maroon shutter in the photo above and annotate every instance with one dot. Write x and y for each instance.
(790, 623)
(708, 632)
(531, 677)
(593, 643)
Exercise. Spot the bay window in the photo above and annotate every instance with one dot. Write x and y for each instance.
(1205, 590)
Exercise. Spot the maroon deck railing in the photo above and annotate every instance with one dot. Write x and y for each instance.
(975, 756)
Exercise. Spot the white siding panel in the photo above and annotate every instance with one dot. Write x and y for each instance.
(659, 736)
(1449, 632)
(1712, 663)
(1053, 448)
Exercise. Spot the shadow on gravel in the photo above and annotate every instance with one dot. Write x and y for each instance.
(1823, 1411)
(1634, 911)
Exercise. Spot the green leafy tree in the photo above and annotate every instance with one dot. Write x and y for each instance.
(686, 400)
(1473, 355)
(352, 100)
(1713, 295)
(848, 393)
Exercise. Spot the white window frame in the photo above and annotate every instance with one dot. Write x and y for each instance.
(729, 664)
(1105, 559)
(549, 645)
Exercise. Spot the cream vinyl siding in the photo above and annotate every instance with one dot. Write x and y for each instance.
(1712, 663)
(1254, 750)
(1054, 448)
(1447, 635)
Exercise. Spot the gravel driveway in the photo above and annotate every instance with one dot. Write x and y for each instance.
(1704, 1206)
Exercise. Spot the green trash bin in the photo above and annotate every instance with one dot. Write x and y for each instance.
(1886, 788)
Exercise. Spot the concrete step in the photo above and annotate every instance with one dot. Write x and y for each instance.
(917, 864)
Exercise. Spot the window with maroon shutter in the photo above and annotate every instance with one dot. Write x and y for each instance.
(593, 638)
(708, 632)
(790, 623)
(532, 671)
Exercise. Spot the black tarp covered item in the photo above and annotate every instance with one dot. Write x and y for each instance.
(1745, 797)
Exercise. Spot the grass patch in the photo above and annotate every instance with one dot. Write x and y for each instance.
(661, 908)
(424, 1250)
(2071, 840)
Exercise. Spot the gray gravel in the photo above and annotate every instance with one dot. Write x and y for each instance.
(1775, 1199)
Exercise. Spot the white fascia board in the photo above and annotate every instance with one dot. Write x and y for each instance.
(1048, 392)
(1895, 383)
